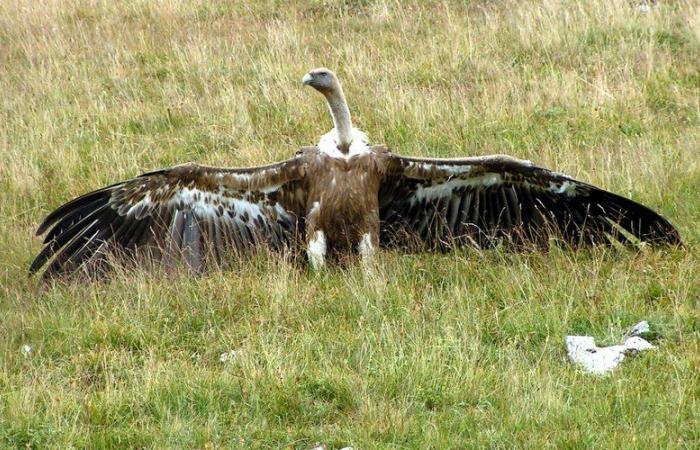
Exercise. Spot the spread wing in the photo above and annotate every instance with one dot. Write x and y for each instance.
(190, 213)
(440, 203)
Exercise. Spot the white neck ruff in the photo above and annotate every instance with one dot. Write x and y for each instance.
(328, 144)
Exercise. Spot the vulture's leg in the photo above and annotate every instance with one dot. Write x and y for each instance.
(367, 246)
(316, 249)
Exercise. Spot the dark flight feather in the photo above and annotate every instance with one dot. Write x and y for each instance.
(177, 213)
(479, 201)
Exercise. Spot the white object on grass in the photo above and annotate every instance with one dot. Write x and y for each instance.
(639, 329)
(601, 360)
(26, 350)
(229, 356)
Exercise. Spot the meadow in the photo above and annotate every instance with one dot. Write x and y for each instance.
(464, 350)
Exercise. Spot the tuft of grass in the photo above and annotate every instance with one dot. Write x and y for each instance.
(431, 351)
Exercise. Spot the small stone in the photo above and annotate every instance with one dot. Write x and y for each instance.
(26, 350)
(645, 6)
(644, 330)
(641, 328)
(637, 344)
(228, 357)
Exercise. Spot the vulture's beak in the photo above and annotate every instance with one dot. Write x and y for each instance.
(307, 79)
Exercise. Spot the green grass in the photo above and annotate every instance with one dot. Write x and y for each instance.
(431, 351)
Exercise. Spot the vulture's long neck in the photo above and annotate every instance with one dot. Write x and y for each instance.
(341, 117)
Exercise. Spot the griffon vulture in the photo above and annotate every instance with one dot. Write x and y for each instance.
(339, 198)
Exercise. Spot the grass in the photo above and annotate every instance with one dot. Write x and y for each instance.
(433, 351)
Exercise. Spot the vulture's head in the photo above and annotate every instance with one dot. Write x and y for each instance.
(321, 79)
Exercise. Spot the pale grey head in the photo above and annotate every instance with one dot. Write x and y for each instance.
(323, 80)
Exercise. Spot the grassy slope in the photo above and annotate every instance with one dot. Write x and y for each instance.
(455, 350)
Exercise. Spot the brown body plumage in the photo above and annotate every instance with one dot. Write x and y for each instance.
(344, 200)
(339, 198)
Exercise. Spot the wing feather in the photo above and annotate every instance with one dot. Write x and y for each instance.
(193, 214)
(482, 200)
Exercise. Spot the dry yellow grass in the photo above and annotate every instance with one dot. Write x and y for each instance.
(462, 350)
